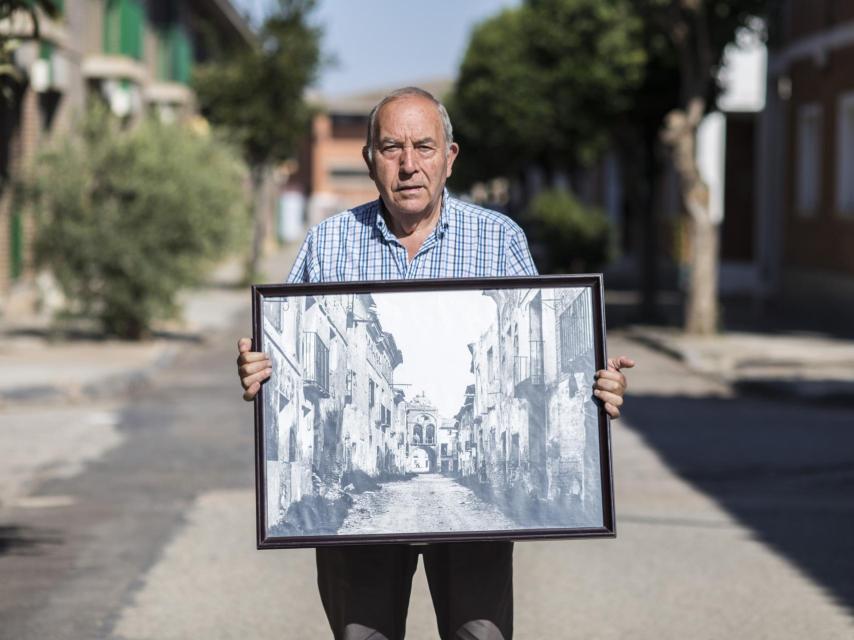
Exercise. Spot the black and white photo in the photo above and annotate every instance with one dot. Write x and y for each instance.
(431, 412)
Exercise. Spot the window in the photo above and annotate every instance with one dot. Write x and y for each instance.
(845, 155)
(292, 446)
(576, 333)
(351, 376)
(444, 449)
(490, 371)
(316, 361)
(417, 434)
(123, 20)
(431, 434)
(371, 393)
(808, 179)
(515, 454)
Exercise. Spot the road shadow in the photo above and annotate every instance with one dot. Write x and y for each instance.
(782, 469)
(22, 540)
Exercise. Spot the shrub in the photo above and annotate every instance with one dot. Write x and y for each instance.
(127, 218)
(576, 237)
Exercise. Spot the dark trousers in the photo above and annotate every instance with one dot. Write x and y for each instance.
(365, 589)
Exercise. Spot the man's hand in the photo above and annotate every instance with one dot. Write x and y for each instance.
(610, 385)
(253, 367)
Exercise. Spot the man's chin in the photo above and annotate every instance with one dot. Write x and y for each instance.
(412, 205)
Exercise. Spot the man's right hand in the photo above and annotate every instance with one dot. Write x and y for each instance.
(253, 367)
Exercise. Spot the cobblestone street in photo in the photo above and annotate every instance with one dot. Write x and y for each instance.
(428, 502)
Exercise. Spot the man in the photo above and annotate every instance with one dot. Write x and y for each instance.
(415, 230)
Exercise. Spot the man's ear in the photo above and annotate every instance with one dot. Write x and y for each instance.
(453, 152)
(368, 162)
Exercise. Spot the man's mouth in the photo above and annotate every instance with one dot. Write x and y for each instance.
(410, 188)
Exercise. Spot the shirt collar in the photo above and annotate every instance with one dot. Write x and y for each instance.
(445, 218)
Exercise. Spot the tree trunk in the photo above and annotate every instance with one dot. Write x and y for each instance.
(680, 134)
(259, 222)
(701, 308)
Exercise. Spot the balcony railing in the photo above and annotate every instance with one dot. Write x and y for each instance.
(529, 368)
(315, 363)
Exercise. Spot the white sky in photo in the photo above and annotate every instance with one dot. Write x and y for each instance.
(433, 331)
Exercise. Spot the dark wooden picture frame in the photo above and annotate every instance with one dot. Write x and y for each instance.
(333, 469)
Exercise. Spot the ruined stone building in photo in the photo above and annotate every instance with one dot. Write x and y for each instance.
(530, 421)
(330, 404)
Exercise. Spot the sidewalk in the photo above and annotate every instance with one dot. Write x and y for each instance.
(793, 365)
(35, 369)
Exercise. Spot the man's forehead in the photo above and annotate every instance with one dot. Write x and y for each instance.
(409, 112)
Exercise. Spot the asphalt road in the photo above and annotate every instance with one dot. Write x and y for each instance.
(735, 520)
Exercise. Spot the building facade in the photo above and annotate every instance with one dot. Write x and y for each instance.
(135, 55)
(807, 143)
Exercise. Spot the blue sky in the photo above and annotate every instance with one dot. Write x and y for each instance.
(392, 42)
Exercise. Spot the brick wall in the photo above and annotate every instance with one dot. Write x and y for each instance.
(823, 240)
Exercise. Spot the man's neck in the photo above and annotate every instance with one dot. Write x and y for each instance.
(412, 226)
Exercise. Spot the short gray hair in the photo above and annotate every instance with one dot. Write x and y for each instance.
(403, 93)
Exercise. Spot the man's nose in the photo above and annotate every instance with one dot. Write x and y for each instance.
(407, 159)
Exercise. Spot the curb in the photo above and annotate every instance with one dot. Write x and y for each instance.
(121, 384)
(834, 392)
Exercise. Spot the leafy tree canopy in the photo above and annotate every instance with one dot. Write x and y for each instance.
(541, 84)
(257, 95)
(139, 218)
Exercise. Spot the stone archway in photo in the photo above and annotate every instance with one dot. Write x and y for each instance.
(422, 459)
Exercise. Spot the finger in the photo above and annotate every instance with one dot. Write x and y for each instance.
(244, 344)
(622, 362)
(248, 381)
(254, 367)
(605, 374)
(607, 396)
(251, 392)
(612, 411)
(251, 356)
(609, 385)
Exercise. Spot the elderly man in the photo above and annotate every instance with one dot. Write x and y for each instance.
(415, 230)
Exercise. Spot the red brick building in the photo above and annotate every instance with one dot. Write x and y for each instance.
(806, 212)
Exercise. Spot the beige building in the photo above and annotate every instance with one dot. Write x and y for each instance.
(135, 55)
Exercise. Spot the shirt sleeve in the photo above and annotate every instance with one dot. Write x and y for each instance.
(305, 267)
(519, 261)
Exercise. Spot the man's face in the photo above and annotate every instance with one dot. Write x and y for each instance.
(411, 161)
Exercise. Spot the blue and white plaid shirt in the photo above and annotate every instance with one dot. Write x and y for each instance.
(468, 242)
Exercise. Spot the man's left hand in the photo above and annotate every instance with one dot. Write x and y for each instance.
(610, 385)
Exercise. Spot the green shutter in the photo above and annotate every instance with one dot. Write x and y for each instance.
(182, 56)
(174, 54)
(17, 248)
(123, 27)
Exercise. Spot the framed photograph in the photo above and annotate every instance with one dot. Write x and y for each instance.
(431, 410)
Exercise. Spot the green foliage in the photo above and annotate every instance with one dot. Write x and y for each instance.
(577, 238)
(550, 83)
(128, 218)
(257, 94)
(543, 83)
